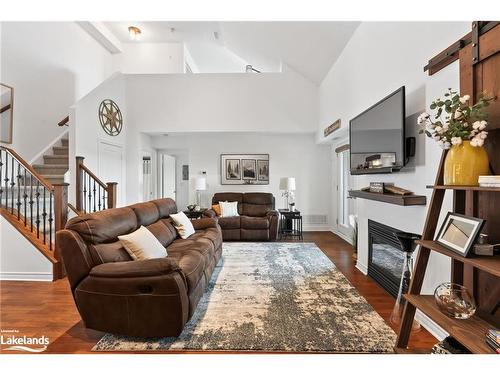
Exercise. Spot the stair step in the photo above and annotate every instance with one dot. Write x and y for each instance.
(54, 178)
(60, 150)
(64, 142)
(56, 159)
(48, 169)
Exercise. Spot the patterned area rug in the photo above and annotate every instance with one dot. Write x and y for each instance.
(274, 297)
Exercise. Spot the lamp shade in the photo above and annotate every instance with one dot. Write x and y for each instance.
(287, 183)
(200, 183)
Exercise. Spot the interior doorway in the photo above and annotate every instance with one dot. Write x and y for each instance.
(147, 177)
(168, 174)
(344, 203)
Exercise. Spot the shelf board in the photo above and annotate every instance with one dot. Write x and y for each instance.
(400, 200)
(490, 264)
(469, 332)
(458, 187)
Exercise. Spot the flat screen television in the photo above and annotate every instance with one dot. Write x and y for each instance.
(377, 136)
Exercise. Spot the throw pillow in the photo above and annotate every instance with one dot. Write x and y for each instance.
(216, 208)
(182, 224)
(229, 209)
(142, 244)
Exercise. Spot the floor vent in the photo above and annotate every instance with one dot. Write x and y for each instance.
(315, 219)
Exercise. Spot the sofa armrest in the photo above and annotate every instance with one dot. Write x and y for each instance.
(273, 217)
(136, 268)
(271, 213)
(204, 223)
(209, 213)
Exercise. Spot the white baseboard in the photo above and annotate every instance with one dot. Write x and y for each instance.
(341, 235)
(363, 268)
(26, 276)
(430, 326)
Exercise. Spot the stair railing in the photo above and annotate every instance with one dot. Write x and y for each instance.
(34, 204)
(92, 194)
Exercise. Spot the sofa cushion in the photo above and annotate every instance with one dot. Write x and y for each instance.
(258, 198)
(166, 206)
(249, 222)
(182, 224)
(228, 197)
(256, 210)
(162, 232)
(192, 265)
(104, 226)
(109, 252)
(230, 222)
(228, 209)
(147, 213)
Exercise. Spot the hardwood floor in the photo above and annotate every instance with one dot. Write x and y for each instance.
(44, 308)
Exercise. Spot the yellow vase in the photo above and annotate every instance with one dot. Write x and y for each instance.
(464, 164)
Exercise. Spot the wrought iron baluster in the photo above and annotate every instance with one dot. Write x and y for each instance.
(94, 195)
(25, 196)
(12, 183)
(51, 219)
(44, 216)
(1, 170)
(18, 204)
(37, 197)
(6, 180)
(104, 199)
(31, 201)
(84, 191)
(90, 194)
(99, 197)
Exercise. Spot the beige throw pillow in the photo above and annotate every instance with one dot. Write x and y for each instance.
(182, 224)
(229, 209)
(142, 244)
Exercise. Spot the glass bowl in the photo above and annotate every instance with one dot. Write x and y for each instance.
(455, 300)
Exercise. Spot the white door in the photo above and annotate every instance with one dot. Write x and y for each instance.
(344, 204)
(111, 167)
(168, 180)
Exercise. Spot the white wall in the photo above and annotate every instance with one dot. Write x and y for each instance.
(378, 59)
(276, 102)
(290, 155)
(19, 259)
(50, 65)
(150, 58)
(86, 132)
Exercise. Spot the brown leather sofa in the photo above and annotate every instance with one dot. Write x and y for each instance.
(146, 298)
(258, 220)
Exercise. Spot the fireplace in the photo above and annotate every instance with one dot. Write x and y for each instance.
(385, 258)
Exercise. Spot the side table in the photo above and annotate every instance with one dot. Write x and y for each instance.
(193, 215)
(290, 224)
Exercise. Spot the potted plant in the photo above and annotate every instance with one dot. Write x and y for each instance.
(459, 127)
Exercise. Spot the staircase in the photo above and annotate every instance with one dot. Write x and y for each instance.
(55, 165)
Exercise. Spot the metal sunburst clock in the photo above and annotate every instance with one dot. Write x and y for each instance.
(110, 117)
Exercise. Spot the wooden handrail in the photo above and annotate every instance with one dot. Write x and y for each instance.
(64, 121)
(92, 194)
(73, 208)
(6, 108)
(28, 167)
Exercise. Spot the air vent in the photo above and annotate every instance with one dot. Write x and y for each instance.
(315, 219)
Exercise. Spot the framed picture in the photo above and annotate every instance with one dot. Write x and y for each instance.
(249, 167)
(263, 170)
(233, 169)
(244, 169)
(459, 232)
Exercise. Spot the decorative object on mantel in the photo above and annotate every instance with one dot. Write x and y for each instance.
(386, 187)
(110, 117)
(459, 232)
(331, 128)
(455, 300)
(489, 181)
(408, 245)
(462, 132)
(244, 169)
(287, 184)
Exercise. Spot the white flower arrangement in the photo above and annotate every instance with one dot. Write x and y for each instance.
(462, 121)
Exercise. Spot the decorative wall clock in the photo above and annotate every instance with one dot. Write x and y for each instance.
(110, 117)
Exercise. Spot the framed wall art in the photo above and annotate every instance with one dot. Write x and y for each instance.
(244, 169)
(459, 232)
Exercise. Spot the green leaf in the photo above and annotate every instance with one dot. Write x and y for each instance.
(433, 106)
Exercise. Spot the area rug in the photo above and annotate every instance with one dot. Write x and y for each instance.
(274, 297)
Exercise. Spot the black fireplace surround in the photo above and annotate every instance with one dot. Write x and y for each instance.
(385, 256)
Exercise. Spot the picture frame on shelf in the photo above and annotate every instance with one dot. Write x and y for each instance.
(458, 232)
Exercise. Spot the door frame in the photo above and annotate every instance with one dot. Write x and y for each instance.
(121, 146)
(342, 229)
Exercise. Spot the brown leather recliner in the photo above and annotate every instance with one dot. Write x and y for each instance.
(258, 220)
(146, 298)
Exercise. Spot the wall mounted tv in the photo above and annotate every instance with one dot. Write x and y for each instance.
(377, 136)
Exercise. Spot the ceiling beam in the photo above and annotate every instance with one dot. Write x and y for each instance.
(102, 35)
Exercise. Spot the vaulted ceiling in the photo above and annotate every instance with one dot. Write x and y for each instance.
(310, 48)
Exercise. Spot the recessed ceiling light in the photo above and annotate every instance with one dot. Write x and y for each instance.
(134, 33)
